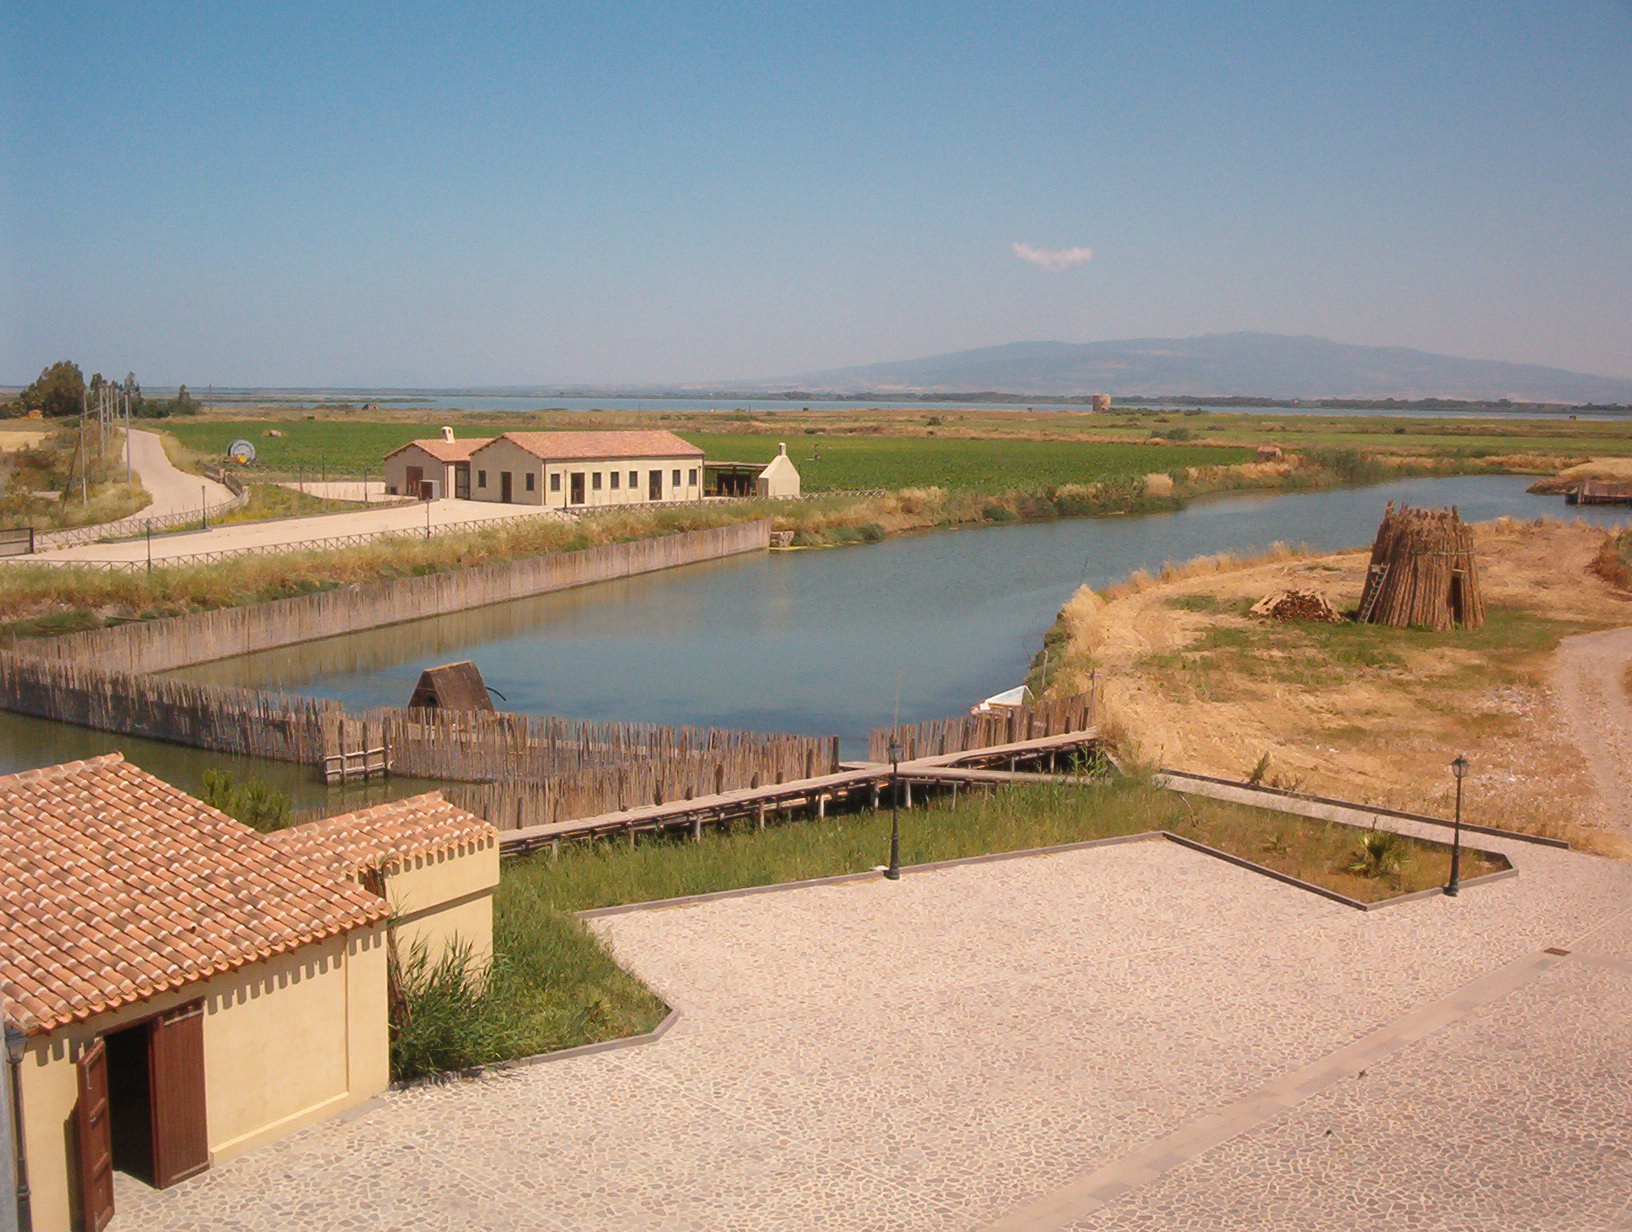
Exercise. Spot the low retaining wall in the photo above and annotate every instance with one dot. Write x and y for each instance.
(180, 641)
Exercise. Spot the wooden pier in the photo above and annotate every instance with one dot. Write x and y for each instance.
(852, 784)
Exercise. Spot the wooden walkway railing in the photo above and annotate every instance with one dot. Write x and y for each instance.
(937, 737)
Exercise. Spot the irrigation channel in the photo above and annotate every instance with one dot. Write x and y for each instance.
(807, 642)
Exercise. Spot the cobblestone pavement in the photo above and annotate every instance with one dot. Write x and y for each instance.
(1134, 1036)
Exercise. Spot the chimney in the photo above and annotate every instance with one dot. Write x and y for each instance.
(447, 433)
(782, 449)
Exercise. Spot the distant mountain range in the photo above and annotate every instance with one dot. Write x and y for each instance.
(1267, 365)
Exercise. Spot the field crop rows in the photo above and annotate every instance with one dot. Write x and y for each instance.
(826, 463)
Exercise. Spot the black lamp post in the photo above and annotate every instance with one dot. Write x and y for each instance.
(893, 872)
(1453, 887)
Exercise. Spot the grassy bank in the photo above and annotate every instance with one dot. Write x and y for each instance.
(555, 987)
(1190, 679)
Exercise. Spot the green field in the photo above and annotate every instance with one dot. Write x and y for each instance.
(826, 463)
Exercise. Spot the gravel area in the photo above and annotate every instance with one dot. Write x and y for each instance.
(1127, 1037)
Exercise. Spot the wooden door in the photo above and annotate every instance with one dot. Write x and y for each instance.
(505, 490)
(416, 476)
(461, 480)
(654, 489)
(175, 1050)
(95, 1140)
(577, 482)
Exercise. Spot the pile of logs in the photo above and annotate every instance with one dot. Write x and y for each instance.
(1296, 605)
(1423, 572)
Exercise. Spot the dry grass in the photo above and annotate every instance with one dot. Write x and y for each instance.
(1358, 711)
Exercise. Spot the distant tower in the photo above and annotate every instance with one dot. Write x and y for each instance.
(1102, 402)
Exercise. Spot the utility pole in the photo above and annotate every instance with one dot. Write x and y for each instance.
(127, 439)
(84, 409)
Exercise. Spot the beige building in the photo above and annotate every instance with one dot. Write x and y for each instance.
(443, 463)
(569, 470)
(780, 478)
(436, 864)
(179, 989)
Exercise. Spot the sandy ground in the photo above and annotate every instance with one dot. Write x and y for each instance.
(1380, 728)
(343, 489)
(291, 532)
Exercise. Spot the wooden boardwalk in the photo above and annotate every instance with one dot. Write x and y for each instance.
(869, 780)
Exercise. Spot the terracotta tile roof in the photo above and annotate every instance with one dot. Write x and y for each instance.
(446, 451)
(593, 445)
(116, 886)
(386, 834)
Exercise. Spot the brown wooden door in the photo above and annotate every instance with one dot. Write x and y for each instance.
(461, 480)
(175, 1049)
(416, 476)
(577, 485)
(655, 486)
(95, 1140)
(506, 490)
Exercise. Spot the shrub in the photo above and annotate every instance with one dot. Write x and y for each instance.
(998, 513)
(871, 532)
(1379, 853)
(256, 803)
(444, 1015)
(1256, 776)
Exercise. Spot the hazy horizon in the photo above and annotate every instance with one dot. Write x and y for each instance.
(408, 196)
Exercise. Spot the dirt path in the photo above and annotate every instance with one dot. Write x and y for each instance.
(1588, 681)
(173, 490)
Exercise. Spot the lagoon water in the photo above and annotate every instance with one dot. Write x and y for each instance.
(455, 400)
(809, 642)
(816, 642)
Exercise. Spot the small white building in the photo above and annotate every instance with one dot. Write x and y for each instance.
(780, 478)
(569, 470)
(442, 462)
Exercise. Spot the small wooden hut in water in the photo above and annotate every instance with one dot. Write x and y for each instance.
(1423, 572)
(452, 686)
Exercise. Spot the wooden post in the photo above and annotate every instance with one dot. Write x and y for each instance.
(696, 827)
(821, 806)
(760, 818)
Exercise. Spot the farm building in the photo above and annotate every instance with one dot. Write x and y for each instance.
(779, 478)
(443, 463)
(179, 989)
(561, 470)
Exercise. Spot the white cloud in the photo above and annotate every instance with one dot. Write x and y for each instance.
(1053, 258)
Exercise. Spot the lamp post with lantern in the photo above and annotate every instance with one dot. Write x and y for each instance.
(893, 872)
(1459, 768)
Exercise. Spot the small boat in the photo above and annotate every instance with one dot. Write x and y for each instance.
(1009, 699)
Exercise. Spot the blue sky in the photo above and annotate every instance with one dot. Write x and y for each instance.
(431, 194)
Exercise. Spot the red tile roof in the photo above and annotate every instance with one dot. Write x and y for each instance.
(589, 446)
(386, 834)
(116, 886)
(446, 451)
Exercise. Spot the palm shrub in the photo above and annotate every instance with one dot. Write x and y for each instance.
(1379, 853)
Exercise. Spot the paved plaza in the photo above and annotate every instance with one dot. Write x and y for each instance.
(1132, 1036)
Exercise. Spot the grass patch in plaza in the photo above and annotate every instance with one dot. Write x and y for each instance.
(555, 987)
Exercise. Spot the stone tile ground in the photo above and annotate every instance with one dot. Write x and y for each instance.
(1127, 1037)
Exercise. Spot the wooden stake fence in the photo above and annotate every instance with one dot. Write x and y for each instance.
(201, 637)
(936, 737)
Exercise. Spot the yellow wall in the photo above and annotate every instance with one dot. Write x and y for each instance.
(439, 897)
(286, 1042)
(504, 455)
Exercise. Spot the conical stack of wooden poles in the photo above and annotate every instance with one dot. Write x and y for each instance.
(1423, 572)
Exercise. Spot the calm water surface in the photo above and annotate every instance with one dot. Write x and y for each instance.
(809, 642)
(816, 642)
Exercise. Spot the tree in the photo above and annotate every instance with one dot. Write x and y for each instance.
(58, 390)
(133, 392)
